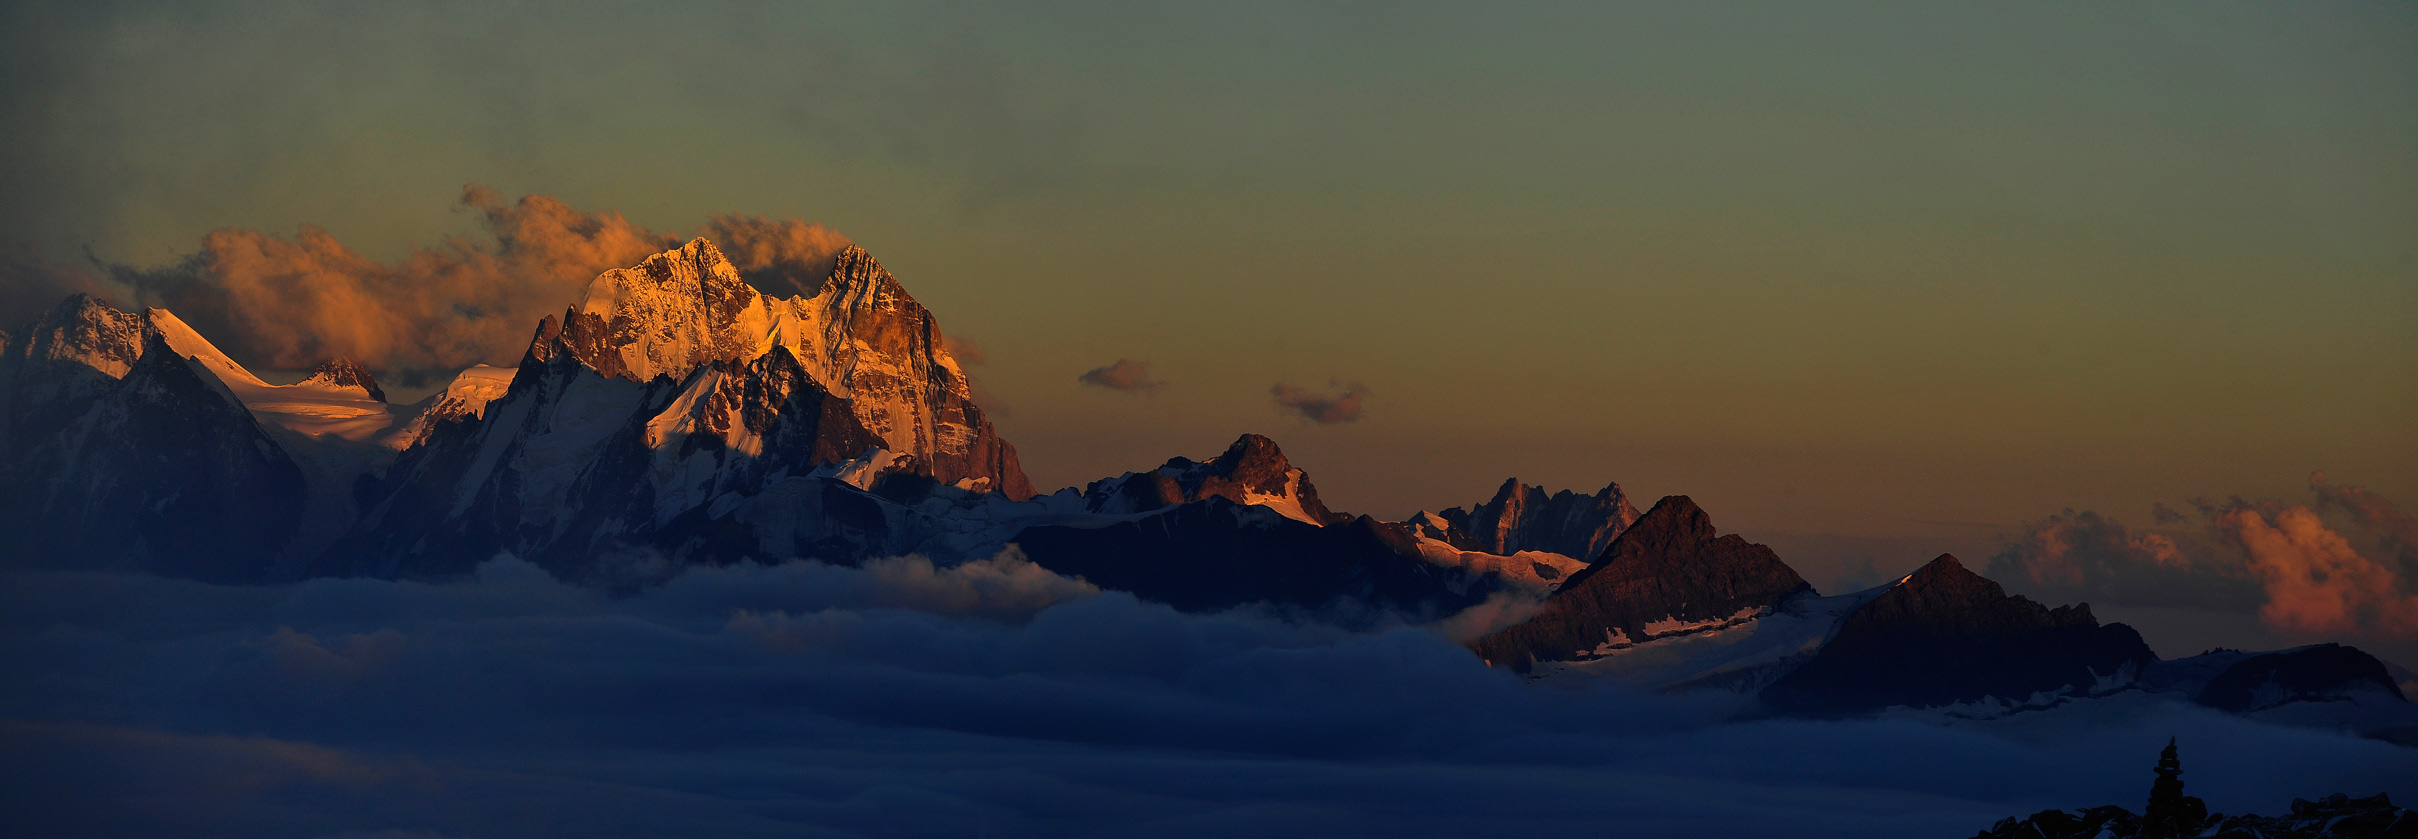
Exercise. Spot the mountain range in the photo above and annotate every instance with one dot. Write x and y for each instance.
(674, 415)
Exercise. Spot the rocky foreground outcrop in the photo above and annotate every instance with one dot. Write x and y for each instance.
(2172, 815)
(2337, 815)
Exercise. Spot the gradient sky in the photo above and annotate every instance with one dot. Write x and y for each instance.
(1872, 281)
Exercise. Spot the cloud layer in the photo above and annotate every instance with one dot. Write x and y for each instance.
(1343, 405)
(2340, 569)
(1126, 375)
(989, 699)
(291, 303)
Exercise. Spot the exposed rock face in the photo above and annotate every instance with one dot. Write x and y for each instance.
(342, 372)
(158, 467)
(1524, 518)
(2319, 673)
(1216, 554)
(571, 466)
(1946, 635)
(54, 369)
(2337, 815)
(860, 337)
(1667, 572)
(1251, 471)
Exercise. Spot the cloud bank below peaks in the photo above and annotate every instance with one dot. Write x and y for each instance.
(991, 698)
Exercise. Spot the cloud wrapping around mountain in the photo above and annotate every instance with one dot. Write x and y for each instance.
(804, 699)
(1322, 408)
(783, 257)
(292, 303)
(2301, 574)
(1125, 375)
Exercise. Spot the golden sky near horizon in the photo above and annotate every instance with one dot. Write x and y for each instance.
(1898, 272)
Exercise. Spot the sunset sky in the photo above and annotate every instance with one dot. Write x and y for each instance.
(1867, 284)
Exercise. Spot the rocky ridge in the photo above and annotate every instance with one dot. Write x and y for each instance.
(1524, 518)
(1252, 471)
(341, 372)
(859, 337)
(1945, 635)
(1667, 573)
(123, 449)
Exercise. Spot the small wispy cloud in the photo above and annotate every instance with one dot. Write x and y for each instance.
(1125, 375)
(1322, 407)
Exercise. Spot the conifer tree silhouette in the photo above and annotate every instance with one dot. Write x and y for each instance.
(2170, 813)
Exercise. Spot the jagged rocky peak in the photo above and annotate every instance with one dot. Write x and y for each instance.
(340, 372)
(1252, 471)
(859, 337)
(156, 465)
(1945, 635)
(665, 316)
(1668, 573)
(84, 329)
(1943, 595)
(1525, 518)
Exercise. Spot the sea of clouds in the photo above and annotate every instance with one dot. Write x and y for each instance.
(990, 699)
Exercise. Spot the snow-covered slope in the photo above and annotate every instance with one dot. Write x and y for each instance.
(1251, 472)
(121, 445)
(465, 397)
(1536, 571)
(655, 413)
(1525, 518)
(1743, 652)
(860, 337)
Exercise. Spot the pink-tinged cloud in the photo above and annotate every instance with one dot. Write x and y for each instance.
(969, 356)
(1126, 375)
(2398, 532)
(964, 350)
(2316, 583)
(1322, 407)
(2087, 556)
(784, 257)
(291, 303)
(2339, 568)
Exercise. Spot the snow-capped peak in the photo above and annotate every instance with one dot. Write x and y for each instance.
(190, 344)
(859, 337)
(341, 373)
(1252, 471)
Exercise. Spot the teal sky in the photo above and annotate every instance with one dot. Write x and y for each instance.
(1908, 274)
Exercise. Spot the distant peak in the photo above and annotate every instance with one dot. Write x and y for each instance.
(855, 270)
(85, 308)
(1675, 518)
(1946, 573)
(344, 372)
(1250, 448)
(80, 301)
